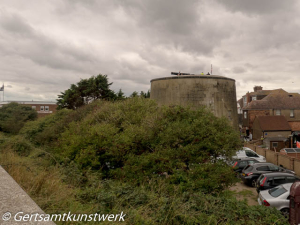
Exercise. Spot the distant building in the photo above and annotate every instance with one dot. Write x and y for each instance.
(275, 131)
(269, 103)
(43, 108)
(278, 102)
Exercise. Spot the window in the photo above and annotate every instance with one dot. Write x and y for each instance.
(33, 107)
(245, 115)
(291, 113)
(291, 179)
(278, 180)
(47, 108)
(274, 144)
(254, 98)
(251, 162)
(41, 108)
(250, 153)
(248, 169)
(243, 164)
(245, 101)
(263, 168)
(270, 181)
(277, 112)
(277, 191)
(274, 168)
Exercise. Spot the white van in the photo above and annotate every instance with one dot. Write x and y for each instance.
(249, 153)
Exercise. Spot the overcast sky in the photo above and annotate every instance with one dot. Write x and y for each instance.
(47, 45)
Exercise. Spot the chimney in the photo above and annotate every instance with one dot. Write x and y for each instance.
(257, 88)
(248, 97)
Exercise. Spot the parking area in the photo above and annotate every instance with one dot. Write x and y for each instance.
(243, 191)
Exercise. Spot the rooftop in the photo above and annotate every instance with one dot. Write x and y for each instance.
(196, 76)
(30, 102)
(273, 123)
(277, 99)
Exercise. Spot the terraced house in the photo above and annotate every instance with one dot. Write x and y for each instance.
(271, 103)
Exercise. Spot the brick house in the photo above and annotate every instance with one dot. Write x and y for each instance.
(43, 108)
(258, 94)
(275, 131)
(277, 102)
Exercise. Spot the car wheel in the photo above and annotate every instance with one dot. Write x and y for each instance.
(285, 212)
(253, 183)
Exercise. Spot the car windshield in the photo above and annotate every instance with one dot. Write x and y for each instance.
(277, 191)
(250, 153)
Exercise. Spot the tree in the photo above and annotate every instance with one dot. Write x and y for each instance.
(13, 117)
(120, 95)
(141, 95)
(86, 91)
(148, 94)
(134, 94)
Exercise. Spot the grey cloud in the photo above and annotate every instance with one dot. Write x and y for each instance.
(238, 70)
(249, 65)
(54, 44)
(9, 86)
(42, 49)
(15, 24)
(26, 88)
(257, 6)
(172, 24)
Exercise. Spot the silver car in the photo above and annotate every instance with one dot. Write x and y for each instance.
(277, 197)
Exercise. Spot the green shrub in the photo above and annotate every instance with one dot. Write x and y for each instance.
(156, 164)
(136, 140)
(13, 117)
(47, 130)
(19, 145)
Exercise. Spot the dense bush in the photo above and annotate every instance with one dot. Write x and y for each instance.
(13, 117)
(47, 130)
(136, 140)
(157, 164)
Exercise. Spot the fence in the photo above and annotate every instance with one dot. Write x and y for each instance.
(277, 158)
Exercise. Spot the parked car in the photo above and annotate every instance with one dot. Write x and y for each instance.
(269, 180)
(249, 153)
(239, 165)
(277, 197)
(252, 172)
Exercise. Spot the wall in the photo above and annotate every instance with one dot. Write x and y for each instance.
(277, 158)
(251, 114)
(272, 157)
(215, 92)
(52, 109)
(297, 166)
(277, 134)
(256, 130)
(286, 114)
(14, 199)
(261, 151)
(285, 161)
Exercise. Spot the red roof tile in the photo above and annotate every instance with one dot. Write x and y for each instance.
(273, 123)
